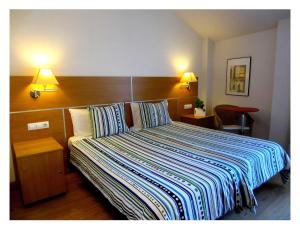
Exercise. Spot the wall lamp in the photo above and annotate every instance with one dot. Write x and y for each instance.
(187, 78)
(43, 81)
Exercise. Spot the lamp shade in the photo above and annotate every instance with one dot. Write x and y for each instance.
(188, 77)
(45, 77)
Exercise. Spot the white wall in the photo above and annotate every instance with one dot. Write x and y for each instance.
(205, 78)
(280, 118)
(104, 42)
(261, 47)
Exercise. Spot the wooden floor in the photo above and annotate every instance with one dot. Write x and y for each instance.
(273, 200)
(83, 201)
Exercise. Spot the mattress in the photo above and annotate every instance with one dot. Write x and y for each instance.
(76, 138)
(178, 171)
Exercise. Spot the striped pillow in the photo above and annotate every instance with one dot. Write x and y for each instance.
(108, 120)
(154, 114)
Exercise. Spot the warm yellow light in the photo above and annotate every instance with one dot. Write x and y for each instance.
(40, 60)
(37, 87)
(182, 67)
(180, 64)
(44, 80)
(45, 77)
(43, 88)
(188, 77)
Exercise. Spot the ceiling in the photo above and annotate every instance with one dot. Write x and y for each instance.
(223, 24)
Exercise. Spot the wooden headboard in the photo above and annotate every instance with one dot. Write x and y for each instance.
(78, 92)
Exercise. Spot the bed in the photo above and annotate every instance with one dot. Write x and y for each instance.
(178, 171)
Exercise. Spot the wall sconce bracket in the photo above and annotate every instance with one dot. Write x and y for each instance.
(188, 87)
(185, 86)
(35, 94)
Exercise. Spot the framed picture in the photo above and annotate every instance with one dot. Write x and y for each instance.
(238, 76)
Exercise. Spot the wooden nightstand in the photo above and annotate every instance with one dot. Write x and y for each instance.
(40, 168)
(205, 121)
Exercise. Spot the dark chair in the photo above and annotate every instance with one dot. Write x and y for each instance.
(230, 121)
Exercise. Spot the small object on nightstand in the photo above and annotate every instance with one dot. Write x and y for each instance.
(40, 168)
(198, 112)
(203, 121)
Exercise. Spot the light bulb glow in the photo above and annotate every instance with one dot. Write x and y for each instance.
(40, 60)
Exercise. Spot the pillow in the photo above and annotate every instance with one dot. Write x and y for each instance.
(81, 122)
(154, 114)
(108, 120)
(136, 116)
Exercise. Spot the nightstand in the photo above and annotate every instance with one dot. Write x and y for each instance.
(203, 121)
(40, 168)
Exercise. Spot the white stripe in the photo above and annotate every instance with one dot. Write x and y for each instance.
(131, 88)
(63, 114)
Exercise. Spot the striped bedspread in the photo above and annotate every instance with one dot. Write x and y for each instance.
(178, 171)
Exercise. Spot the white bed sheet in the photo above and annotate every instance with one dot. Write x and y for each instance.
(72, 139)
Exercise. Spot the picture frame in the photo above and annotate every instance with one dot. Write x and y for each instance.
(238, 76)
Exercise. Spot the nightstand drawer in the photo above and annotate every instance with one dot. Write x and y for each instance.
(206, 121)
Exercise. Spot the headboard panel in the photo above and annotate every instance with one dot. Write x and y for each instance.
(72, 91)
(153, 88)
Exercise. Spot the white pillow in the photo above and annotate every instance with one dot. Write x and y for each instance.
(136, 116)
(81, 122)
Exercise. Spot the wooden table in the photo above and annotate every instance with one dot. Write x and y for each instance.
(203, 121)
(243, 111)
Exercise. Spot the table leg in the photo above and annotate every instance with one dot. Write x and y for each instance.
(243, 123)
